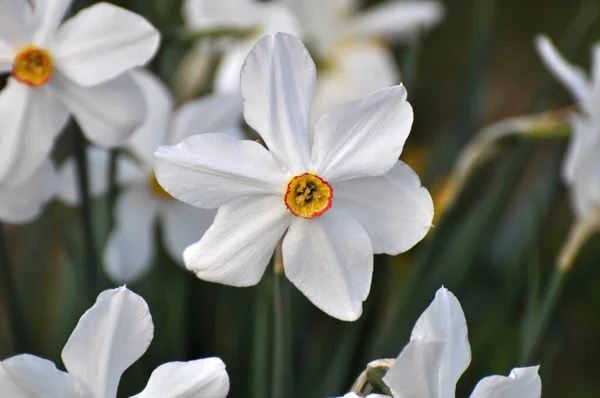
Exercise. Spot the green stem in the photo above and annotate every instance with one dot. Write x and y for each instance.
(13, 309)
(281, 382)
(91, 259)
(259, 382)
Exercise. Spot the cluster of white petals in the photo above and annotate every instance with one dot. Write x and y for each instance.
(377, 204)
(438, 353)
(108, 339)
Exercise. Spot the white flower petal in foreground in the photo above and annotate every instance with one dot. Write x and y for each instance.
(108, 339)
(76, 68)
(438, 353)
(581, 169)
(340, 192)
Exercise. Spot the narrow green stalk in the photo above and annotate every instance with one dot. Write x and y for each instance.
(281, 382)
(12, 306)
(551, 296)
(261, 350)
(113, 188)
(91, 259)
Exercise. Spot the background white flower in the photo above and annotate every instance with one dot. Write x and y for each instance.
(74, 68)
(108, 339)
(340, 193)
(131, 248)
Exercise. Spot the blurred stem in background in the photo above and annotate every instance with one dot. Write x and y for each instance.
(12, 305)
(90, 257)
(282, 373)
(261, 339)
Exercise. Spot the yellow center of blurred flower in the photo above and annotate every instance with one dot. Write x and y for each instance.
(308, 196)
(156, 190)
(32, 66)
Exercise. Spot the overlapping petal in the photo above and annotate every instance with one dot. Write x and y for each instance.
(7, 56)
(237, 247)
(394, 209)
(521, 383)
(101, 42)
(16, 23)
(277, 83)
(109, 337)
(200, 378)
(330, 260)
(362, 138)
(48, 15)
(209, 170)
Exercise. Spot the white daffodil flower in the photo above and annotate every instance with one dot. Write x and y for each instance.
(438, 353)
(75, 68)
(581, 170)
(338, 195)
(23, 202)
(108, 339)
(143, 202)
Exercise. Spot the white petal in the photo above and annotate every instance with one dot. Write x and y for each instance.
(101, 42)
(237, 247)
(397, 19)
(23, 202)
(201, 15)
(31, 121)
(16, 23)
(109, 337)
(7, 57)
(521, 383)
(98, 178)
(581, 146)
(200, 378)
(28, 376)
(278, 82)
(159, 108)
(394, 209)
(216, 113)
(362, 138)
(330, 260)
(130, 247)
(183, 225)
(571, 76)
(227, 74)
(107, 113)
(437, 355)
(208, 170)
(48, 15)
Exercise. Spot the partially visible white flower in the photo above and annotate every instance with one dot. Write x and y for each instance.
(75, 68)
(108, 339)
(23, 202)
(438, 353)
(130, 248)
(379, 205)
(581, 169)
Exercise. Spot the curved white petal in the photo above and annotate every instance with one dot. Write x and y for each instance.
(107, 113)
(202, 15)
(437, 355)
(208, 170)
(200, 378)
(571, 76)
(23, 202)
(183, 225)
(362, 138)
(394, 209)
(277, 83)
(7, 56)
(16, 23)
(130, 247)
(159, 107)
(48, 15)
(584, 139)
(216, 113)
(330, 260)
(396, 19)
(521, 383)
(28, 376)
(237, 247)
(101, 42)
(109, 338)
(31, 121)
(227, 74)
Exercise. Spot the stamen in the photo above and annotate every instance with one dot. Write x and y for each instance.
(308, 196)
(32, 66)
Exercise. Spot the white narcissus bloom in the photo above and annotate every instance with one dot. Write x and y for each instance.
(338, 194)
(108, 339)
(22, 202)
(438, 353)
(75, 68)
(130, 248)
(581, 169)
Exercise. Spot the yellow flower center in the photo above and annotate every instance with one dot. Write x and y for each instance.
(308, 196)
(156, 190)
(32, 66)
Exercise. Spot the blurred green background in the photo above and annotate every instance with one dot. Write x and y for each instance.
(495, 248)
